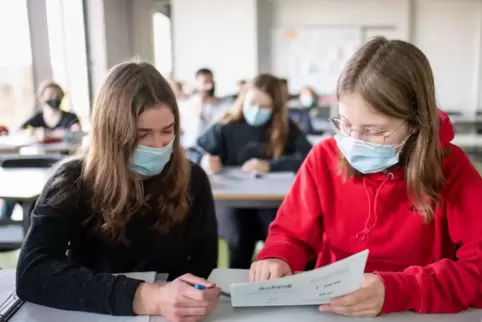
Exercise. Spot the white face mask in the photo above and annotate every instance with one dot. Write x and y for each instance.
(367, 158)
(307, 100)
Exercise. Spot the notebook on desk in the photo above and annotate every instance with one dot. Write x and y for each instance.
(38, 313)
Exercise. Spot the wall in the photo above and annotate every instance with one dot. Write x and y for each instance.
(344, 13)
(217, 34)
(448, 31)
(118, 30)
(233, 37)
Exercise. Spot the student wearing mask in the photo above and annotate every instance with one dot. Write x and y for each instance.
(390, 181)
(308, 98)
(256, 135)
(201, 109)
(307, 101)
(133, 202)
(52, 118)
(51, 121)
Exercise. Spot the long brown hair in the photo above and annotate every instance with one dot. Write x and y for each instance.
(278, 129)
(395, 78)
(116, 192)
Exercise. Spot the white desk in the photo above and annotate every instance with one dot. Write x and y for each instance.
(464, 141)
(30, 312)
(24, 186)
(225, 312)
(468, 141)
(233, 189)
(315, 139)
(466, 119)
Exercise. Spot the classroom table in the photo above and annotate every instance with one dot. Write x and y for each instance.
(30, 312)
(23, 185)
(468, 141)
(464, 141)
(315, 139)
(226, 313)
(12, 144)
(42, 148)
(232, 188)
(466, 119)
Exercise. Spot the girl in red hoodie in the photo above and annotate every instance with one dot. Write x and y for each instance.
(390, 181)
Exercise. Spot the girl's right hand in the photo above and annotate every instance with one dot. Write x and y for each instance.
(211, 163)
(177, 301)
(268, 269)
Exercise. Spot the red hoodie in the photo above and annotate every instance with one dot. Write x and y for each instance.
(324, 216)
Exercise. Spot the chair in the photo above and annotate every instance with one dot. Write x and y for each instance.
(11, 232)
(33, 161)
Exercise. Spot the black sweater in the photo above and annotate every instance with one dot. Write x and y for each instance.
(82, 280)
(237, 142)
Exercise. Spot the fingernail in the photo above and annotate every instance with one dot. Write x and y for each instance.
(324, 307)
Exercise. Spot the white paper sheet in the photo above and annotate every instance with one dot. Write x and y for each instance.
(318, 286)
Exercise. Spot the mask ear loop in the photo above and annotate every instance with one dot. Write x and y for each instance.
(411, 131)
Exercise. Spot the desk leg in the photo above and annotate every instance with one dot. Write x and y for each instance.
(27, 209)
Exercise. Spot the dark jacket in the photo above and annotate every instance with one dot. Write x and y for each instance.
(82, 280)
(237, 142)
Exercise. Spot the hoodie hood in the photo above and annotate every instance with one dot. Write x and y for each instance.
(446, 129)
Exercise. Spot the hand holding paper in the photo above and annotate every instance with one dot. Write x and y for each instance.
(315, 287)
(269, 269)
(364, 302)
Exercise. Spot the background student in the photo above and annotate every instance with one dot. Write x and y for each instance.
(201, 109)
(51, 121)
(132, 203)
(392, 182)
(256, 135)
(51, 117)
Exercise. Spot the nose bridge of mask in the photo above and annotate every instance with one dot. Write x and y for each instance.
(149, 161)
(360, 147)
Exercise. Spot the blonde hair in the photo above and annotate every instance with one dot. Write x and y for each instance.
(49, 84)
(278, 129)
(395, 78)
(115, 192)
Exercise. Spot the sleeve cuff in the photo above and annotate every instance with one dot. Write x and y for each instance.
(401, 291)
(123, 296)
(293, 257)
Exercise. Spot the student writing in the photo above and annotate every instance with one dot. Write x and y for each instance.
(390, 181)
(132, 203)
(256, 135)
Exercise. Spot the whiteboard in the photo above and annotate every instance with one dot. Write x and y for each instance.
(313, 56)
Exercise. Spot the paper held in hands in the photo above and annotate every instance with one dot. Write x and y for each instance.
(315, 287)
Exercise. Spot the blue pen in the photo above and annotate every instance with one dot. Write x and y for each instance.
(202, 287)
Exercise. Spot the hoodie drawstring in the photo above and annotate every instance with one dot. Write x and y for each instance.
(363, 234)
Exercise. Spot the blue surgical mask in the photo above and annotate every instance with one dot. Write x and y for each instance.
(365, 157)
(148, 161)
(307, 101)
(256, 115)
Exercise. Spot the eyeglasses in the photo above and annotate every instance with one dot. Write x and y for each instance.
(372, 137)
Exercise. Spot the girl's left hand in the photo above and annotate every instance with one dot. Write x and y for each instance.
(256, 165)
(364, 302)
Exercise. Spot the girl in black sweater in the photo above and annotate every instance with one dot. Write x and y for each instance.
(257, 136)
(132, 203)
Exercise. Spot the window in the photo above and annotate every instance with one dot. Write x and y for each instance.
(162, 43)
(17, 96)
(68, 52)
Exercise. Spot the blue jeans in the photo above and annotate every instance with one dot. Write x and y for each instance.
(7, 209)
